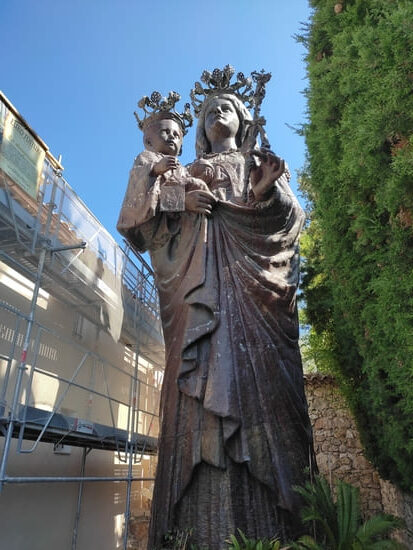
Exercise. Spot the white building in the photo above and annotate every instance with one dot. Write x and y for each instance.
(81, 361)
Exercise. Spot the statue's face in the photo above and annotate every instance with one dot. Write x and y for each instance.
(165, 136)
(221, 119)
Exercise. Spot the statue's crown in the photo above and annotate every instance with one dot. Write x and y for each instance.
(219, 81)
(157, 107)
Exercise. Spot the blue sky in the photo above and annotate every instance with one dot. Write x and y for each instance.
(75, 70)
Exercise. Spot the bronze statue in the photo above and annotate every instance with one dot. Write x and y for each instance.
(235, 433)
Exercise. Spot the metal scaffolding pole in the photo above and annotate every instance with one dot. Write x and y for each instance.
(21, 369)
(23, 358)
(79, 498)
(27, 338)
(128, 495)
(71, 479)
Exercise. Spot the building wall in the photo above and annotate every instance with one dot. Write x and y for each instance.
(41, 516)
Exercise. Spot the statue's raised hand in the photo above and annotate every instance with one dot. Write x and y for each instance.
(264, 176)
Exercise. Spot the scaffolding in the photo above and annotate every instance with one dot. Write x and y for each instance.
(62, 387)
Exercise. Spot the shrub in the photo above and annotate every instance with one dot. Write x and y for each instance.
(339, 523)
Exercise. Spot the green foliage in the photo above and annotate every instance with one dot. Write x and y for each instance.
(358, 245)
(251, 544)
(178, 540)
(339, 523)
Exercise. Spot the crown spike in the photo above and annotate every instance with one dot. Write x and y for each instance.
(158, 107)
(219, 81)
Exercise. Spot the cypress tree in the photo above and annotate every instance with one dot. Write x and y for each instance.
(358, 247)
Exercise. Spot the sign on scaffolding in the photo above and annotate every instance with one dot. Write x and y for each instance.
(21, 156)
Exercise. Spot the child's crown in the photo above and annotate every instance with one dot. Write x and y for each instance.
(157, 107)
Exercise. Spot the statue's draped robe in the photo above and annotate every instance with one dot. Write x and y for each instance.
(235, 433)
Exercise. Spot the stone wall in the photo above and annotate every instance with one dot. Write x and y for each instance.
(337, 443)
(138, 532)
(340, 454)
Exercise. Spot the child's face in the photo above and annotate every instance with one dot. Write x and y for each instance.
(165, 136)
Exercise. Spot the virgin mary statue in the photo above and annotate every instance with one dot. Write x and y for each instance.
(235, 433)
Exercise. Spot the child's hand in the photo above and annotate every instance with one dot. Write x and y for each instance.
(166, 163)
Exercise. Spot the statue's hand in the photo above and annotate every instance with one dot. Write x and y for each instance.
(266, 174)
(199, 201)
(191, 184)
(166, 163)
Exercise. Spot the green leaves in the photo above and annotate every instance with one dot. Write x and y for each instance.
(357, 282)
(320, 507)
(178, 540)
(251, 544)
(378, 526)
(348, 513)
(338, 522)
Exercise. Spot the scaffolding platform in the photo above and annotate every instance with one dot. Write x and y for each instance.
(76, 432)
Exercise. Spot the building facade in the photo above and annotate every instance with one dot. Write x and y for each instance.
(81, 361)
